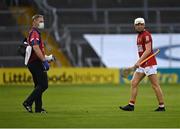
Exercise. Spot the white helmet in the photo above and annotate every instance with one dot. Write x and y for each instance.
(139, 20)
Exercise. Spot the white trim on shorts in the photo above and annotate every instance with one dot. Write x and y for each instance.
(147, 70)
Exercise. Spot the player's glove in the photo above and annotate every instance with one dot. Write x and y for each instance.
(45, 65)
(50, 58)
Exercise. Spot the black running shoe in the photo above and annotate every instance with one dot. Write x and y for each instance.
(41, 111)
(160, 109)
(127, 108)
(27, 107)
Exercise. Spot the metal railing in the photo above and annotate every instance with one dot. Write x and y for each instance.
(11, 34)
(106, 27)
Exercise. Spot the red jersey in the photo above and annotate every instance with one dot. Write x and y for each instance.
(34, 38)
(142, 39)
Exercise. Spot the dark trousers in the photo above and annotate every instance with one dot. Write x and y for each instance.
(41, 84)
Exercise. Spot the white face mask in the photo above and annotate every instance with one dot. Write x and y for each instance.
(41, 25)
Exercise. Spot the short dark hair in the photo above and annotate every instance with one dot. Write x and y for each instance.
(36, 16)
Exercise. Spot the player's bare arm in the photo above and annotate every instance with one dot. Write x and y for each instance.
(144, 55)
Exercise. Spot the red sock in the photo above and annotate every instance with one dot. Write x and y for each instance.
(131, 102)
(161, 104)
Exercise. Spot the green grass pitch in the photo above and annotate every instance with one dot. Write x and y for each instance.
(89, 106)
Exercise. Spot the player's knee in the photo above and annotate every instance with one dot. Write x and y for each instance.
(155, 86)
(45, 86)
(134, 83)
(41, 87)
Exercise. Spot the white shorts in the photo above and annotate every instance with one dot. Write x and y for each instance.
(147, 70)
